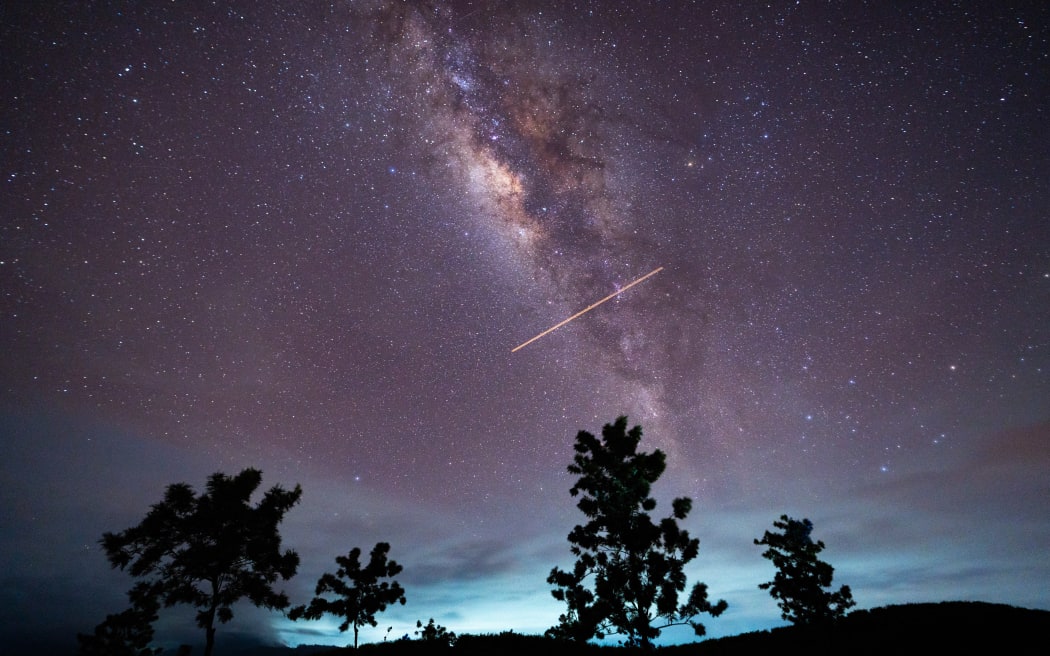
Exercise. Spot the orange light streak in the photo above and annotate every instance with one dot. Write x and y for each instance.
(588, 308)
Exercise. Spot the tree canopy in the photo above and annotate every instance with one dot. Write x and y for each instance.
(212, 550)
(359, 591)
(801, 584)
(629, 569)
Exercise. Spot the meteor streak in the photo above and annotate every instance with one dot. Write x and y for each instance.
(589, 308)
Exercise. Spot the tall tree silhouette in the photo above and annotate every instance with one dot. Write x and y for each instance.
(801, 583)
(360, 594)
(629, 570)
(212, 550)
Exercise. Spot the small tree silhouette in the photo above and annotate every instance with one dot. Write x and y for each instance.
(435, 633)
(127, 633)
(359, 600)
(636, 565)
(801, 582)
(210, 551)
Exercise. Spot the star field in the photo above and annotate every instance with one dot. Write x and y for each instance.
(306, 237)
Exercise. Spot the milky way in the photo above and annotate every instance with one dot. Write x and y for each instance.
(306, 239)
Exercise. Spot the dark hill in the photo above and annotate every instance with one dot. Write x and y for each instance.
(942, 628)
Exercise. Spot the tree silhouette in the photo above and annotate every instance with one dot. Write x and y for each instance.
(360, 595)
(435, 633)
(212, 550)
(635, 565)
(801, 582)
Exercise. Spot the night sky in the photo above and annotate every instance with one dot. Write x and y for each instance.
(305, 237)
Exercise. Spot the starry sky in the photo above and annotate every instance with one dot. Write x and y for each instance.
(305, 237)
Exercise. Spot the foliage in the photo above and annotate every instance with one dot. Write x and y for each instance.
(636, 565)
(127, 633)
(434, 633)
(212, 550)
(801, 582)
(360, 595)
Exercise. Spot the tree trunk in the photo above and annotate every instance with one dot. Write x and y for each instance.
(355, 635)
(209, 624)
(209, 630)
(209, 643)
